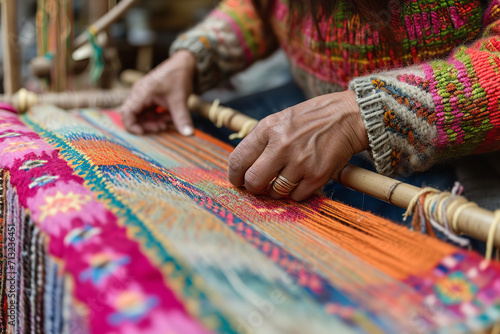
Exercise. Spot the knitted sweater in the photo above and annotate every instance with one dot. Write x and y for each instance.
(438, 98)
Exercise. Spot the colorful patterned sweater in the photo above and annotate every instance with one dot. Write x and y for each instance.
(437, 98)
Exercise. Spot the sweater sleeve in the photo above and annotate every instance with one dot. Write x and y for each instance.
(229, 40)
(440, 109)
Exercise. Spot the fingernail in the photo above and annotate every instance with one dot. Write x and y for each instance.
(187, 130)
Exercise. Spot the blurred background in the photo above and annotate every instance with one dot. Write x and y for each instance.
(138, 41)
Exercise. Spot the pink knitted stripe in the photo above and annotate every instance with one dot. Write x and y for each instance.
(442, 139)
(237, 31)
(456, 19)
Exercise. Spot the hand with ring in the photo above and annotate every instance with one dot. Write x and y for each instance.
(300, 148)
(283, 186)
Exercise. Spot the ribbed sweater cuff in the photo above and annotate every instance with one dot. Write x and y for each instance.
(371, 105)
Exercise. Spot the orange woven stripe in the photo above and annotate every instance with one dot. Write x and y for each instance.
(217, 142)
(393, 249)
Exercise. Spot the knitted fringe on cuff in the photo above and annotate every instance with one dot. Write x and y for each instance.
(372, 112)
(207, 75)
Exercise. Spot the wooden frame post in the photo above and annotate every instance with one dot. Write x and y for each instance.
(11, 53)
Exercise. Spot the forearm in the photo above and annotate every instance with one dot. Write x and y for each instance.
(441, 109)
(229, 40)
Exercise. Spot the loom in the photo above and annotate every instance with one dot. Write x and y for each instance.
(471, 220)
(107, 232)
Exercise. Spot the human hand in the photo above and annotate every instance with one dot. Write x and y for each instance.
(167, 86)
(307, 143)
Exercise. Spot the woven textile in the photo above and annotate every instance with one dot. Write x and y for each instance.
(427, 93)
(106, 232)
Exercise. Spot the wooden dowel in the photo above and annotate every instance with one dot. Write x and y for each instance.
(59, 76)
(107, 20)
(97, 9)
(379, 186)
(234, 121)
(104, 99)
(474, 222)
(11, 53)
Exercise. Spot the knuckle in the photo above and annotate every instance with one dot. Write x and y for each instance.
(265, 122)
(258, 135)
(303, 161)
(253, 182)
(283, 144)
(235, 163)
(316, 177)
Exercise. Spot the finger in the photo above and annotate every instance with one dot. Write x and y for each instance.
(163, 117)
(152, 126)
(177, 103)
(163, 126)
(244, 155)
(307, 187)
(129, 107)
(161, 105)
(130, 123)
(130, 111)
(135, 103)
(136, 129)
(153, 122)
(263, 171)
(287, 185)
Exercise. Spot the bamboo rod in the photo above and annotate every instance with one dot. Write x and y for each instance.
(105, 99)
(473, 221)
(107, 20)
(60, 75)
(11, 53)
(233, 120)
(97, 9)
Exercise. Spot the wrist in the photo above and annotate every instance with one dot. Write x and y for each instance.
(358, 124)
(186, 60)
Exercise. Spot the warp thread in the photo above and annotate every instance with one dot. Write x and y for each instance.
(97, 58)
(55, 21)
(415, 199)
(491, 236)
(245, 130)
(218, 114)
(381, 244)
(434, 205)
(213, 114)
